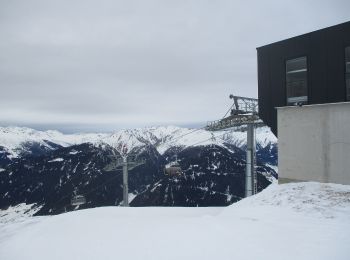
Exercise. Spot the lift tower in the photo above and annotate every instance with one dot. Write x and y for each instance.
(126, 163)
(244, 112)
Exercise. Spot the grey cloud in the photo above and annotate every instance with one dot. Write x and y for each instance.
(135, 63)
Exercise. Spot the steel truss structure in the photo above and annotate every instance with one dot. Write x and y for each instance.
(125, 163)
(244, 111)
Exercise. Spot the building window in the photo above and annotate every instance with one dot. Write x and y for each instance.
(347, 72)
(296, 81)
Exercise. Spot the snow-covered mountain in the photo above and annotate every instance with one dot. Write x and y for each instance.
(16, 141)
(48, 168)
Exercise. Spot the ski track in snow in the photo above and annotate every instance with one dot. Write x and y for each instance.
(308, 221)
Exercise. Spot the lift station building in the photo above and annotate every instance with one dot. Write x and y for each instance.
(304, 94)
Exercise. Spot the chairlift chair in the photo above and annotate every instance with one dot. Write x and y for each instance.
(173, 169)
(78, 200)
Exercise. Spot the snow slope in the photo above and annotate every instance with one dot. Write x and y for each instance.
(290, 221)
(18, 213)
(13, 139)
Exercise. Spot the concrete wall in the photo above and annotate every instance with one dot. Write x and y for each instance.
(314, 143)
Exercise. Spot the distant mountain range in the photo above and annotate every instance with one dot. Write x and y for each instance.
(47, 167)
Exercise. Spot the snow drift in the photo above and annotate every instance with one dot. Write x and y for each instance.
(291, 221)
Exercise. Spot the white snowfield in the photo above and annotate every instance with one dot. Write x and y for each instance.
(162, 137)
(308, 221)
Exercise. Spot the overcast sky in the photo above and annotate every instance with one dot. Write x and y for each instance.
(101, 65)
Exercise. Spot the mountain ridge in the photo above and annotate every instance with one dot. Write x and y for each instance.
(14, 139)
(48, 173)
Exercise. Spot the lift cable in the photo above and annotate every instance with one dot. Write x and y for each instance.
(204, 141)
(198, 129)
(80, 177)
(170, 141)
(228, 111)
(115, 176)
(103, 184)
(100, 185)
(201, 128)
(193, 131)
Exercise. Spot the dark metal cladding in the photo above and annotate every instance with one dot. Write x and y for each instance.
(325, 53)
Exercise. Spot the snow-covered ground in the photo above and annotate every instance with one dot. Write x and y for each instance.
(291, 221)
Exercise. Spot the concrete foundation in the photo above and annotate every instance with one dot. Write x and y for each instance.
(314, 143)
